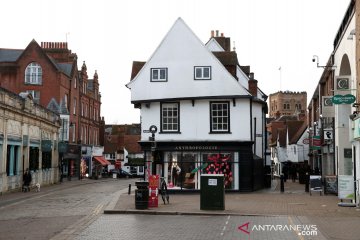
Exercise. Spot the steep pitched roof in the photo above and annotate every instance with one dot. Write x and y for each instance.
(180, 51)
(136, 67)
(12, 55)
(298, 128)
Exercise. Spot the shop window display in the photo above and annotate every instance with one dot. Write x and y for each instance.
(219, 164)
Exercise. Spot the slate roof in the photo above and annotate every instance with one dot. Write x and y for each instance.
(227, 58)
(9, 55)
(12, 55)
(65, 68)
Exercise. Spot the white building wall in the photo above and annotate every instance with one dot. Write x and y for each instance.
(195, 122)
(342, 112)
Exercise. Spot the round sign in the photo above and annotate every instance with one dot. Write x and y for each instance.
(306, 141)
(153, 129)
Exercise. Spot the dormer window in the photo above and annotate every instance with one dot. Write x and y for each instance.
(158, 75)
(202, 73)
(33, 74)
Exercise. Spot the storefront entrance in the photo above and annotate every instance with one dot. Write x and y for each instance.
(182, 165)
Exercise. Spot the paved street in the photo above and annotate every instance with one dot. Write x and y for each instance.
(74, 210)
(57, 211)
(164, 227)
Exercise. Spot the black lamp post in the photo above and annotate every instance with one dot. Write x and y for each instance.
(152, 130)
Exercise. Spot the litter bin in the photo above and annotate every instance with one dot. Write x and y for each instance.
(212, 192)
(141, 195)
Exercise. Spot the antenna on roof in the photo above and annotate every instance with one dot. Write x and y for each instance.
(66, 35)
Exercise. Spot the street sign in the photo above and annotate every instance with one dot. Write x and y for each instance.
(153, 129)
(328, 134)
(306, 141)
(146, 131)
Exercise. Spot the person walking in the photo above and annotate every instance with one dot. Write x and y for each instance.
(26, 180)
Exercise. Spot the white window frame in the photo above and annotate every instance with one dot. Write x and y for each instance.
(220, 117)
(170, 117)
(201, 70)
(33, 74)
(156, 74)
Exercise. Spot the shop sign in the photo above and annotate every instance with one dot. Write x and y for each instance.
(46, 145)
(195, 148)
(346, 187)
(343, 99)
(316, 143)
(62, 147)
(347, 153)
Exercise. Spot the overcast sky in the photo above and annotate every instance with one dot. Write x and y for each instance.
(110, 34)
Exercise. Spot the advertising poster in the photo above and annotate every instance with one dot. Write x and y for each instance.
(153, 190)
(346, 187)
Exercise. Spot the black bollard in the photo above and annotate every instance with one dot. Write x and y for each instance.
(307, 182)
(129, 189)
(281, 183)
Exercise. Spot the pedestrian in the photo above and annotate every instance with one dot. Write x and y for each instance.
(26, 180)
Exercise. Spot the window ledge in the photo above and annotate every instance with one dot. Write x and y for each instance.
(220, 132)
(161, 132)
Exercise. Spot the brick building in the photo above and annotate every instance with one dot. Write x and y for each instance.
(121, 147)
(50, 73)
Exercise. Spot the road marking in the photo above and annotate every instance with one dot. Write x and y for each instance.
(224, 228)
(296, 231)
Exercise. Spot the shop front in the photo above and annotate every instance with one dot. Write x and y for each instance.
(182, 164)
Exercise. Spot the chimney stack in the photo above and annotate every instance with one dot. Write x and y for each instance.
(217, 33)
(252, 85)
(212, 33)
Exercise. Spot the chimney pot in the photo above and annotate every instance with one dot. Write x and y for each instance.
(222, 34)
(212, 33)
(217, 33)
(251, 76)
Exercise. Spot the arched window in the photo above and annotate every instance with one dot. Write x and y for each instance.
(33, 73)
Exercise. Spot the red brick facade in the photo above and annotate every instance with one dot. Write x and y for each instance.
(61, 82)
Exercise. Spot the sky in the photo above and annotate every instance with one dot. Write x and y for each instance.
(277, 38)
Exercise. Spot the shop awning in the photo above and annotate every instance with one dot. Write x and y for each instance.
(102, 160)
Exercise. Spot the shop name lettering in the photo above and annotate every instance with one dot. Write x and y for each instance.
(196, 148)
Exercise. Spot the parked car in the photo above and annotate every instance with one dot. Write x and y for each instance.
(120, 173)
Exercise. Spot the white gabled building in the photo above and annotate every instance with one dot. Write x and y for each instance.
(208, 110)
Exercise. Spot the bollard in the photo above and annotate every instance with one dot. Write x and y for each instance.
(307, 182)
(282, 183)
(129, 189)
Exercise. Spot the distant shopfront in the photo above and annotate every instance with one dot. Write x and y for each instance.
(182, 164)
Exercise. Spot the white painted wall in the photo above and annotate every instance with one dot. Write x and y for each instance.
(195, 122)
(180, 51)
(342, 112)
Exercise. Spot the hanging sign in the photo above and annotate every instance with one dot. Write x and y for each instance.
(343, 99)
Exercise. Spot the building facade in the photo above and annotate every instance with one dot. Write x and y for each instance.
(201, 113)
(284, 103)
(49, 72)
(28, 139)
(121, 147)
